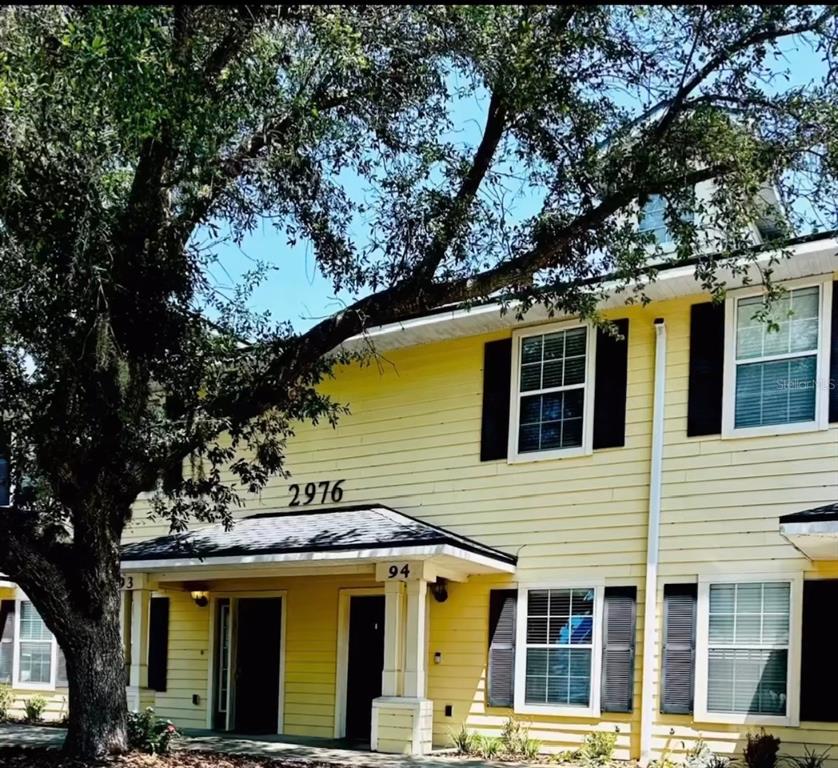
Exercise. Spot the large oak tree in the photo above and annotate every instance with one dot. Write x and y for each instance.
(133, 138)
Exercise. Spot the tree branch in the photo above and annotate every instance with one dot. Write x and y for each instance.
(752, 38)
(411, 296)
(457, 213)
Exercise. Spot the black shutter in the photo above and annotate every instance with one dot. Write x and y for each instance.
(707, 345)
(173, 477)
(497, 372)
(679, 606)
(610, 379)
(7, 619)
(618, 634)
(158, 643)
(833, 357)
(500, 682)
(819, 672)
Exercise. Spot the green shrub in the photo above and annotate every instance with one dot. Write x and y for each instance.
(464, 740)
(598, 748)
(487, 747)
(34, 709)
(810, 758)
(6, 700)
(149, 733)
(761, 750)
(530, 749)
(514, 737)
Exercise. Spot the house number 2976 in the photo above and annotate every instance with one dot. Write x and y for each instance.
(316, 493)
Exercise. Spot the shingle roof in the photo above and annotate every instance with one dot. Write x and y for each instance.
(347, 528)
(816, 515)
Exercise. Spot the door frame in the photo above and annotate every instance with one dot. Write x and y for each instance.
(342, 671)
(234, 596)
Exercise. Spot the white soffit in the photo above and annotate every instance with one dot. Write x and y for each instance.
(815, 257)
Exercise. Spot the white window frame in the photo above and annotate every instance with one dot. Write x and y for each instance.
(702, 656)
(821, 420)
(53, 668)
(520, 705)
(518, 336)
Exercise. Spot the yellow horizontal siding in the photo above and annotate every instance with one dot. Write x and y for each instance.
(412, 441)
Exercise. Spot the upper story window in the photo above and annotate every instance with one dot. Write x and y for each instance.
(653, 219)
(775, 366)
(552, 376)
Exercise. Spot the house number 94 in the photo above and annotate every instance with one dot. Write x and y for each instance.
(316, 493)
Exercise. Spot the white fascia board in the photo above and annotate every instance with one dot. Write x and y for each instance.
(809, 258)
(479, 563)
(822, 528)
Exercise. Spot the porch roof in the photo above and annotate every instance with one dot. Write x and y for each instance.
(813, 531)
(370, 533)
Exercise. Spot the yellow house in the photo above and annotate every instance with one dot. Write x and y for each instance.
(534, 519)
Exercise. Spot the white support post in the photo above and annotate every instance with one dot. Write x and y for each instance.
(391, 676)
(415, 639)
(140, 602)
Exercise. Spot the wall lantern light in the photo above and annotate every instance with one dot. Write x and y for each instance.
(439, 589)
(199, 593)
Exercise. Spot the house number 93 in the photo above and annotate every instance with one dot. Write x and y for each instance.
(316, 493)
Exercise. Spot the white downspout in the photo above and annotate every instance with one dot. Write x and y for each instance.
(650, 639)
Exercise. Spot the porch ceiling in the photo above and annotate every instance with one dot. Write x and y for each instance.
(334, 537)
(813, 531)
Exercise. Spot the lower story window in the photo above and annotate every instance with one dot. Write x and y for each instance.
(7, 640)
(748, 649)
(35, 654)
(559, 647)
(29, 654)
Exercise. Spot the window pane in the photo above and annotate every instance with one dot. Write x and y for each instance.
(575, 341)
(5, 662)
(778, 392)
(32, 626)
(747, 681)
(552, 361)
(794, 318)
(538, 602)
(749, 614)
(35, 662)
(530, 377)
(531, 349)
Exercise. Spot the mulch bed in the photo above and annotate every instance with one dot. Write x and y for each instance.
(33, 757)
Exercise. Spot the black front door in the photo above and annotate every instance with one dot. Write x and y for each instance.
(366, 662)
(257, 664)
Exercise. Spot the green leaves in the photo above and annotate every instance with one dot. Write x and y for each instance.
(426, 155)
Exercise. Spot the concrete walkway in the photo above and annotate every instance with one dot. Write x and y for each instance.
(278, 747)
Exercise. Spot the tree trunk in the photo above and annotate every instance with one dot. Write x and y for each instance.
(96, 677)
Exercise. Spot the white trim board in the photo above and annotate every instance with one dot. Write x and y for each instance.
(476, 563)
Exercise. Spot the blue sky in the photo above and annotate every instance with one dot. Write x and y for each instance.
(296, 292)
